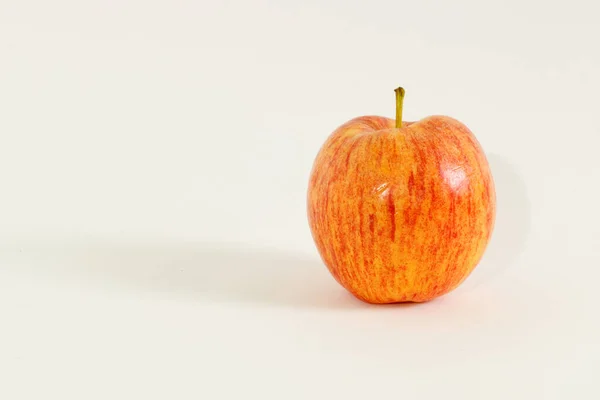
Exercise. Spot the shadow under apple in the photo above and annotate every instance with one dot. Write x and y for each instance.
(234, 273)
(200, 271)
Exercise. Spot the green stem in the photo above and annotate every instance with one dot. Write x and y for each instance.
(399, 102)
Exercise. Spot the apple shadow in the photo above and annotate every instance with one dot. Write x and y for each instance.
(198, 271)
(512, 225)
(218, 272)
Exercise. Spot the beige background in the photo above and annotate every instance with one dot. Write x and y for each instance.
(154, 157)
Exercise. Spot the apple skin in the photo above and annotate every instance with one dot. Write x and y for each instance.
(401, 214)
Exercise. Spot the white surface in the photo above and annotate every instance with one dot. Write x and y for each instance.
(153, 163)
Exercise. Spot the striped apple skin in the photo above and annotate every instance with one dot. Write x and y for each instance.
(401, 214)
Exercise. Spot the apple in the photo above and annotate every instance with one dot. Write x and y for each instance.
(401, 211)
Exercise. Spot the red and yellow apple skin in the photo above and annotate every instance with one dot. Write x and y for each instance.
(401, 214)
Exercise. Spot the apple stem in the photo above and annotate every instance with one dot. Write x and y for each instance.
(399, 101)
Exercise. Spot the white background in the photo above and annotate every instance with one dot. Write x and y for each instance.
(154, 159)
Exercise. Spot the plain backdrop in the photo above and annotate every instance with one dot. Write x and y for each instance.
(154, 160)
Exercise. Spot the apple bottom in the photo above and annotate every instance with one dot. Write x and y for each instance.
(396, 277)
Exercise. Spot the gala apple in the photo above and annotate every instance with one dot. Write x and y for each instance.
(401, 211)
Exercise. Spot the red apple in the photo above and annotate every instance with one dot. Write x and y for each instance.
(401, 211)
